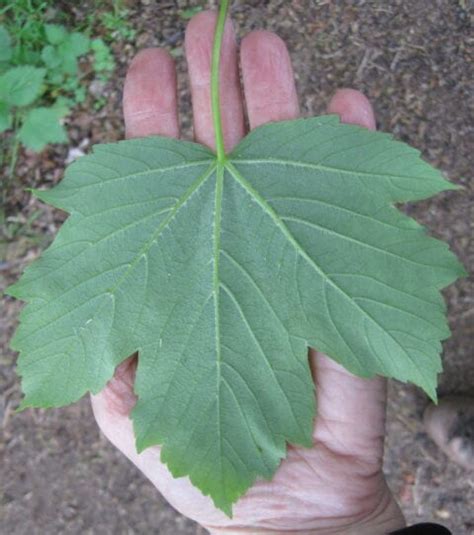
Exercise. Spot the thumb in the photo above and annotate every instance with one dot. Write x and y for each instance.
(113, 404)
(351, 410)
(112, 407)
(118, 398)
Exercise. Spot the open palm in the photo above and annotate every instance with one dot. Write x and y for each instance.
(338, 485)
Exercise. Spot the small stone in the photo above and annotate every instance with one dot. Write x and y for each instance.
(73, 154)
(96, 88)
(444, 514)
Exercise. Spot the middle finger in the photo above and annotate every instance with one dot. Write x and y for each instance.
(198, 43)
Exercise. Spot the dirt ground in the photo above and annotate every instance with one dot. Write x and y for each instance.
(415, 61)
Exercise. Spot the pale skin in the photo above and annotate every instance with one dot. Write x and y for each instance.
(337, 486)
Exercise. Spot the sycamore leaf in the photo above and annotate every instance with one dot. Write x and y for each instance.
(221, 276)
(40, 127)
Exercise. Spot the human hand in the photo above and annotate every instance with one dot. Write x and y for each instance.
(337, 486)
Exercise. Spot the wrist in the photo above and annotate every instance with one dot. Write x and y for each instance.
(387, 517)
(384, 519)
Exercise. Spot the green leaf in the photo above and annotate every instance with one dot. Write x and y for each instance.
(5, 117)
(68, 59)
(55, 33)
(187, 14)
(78, 43)
(5, 44)
(20, 86)
(80, 94)
(56, 78)
(221, 276)
(40, 127)
(62, 106)
(103, 58)
(51, 57)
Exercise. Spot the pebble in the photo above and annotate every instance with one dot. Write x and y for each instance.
(444, 514)
(96, 88)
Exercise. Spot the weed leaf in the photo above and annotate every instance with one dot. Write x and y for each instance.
(55, 33)
(40, 127)
(20, 86)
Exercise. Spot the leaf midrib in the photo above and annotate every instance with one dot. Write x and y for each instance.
(215, 290)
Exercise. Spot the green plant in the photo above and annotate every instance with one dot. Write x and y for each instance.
(18, 235)
(116, 22)
(24, 20)
(104, 62)
(13, 227)
(40, 78)
(54, 74)
(220, 270)
(60, 55)
(187, 14)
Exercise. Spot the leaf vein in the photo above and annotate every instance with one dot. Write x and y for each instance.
(260, 348)
(351, 239)
(321, 167)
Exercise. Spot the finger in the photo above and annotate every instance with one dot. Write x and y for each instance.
(353, 108)
(351, 410)
(198, 43)
(149, 97)
(117, 399)
(269, 84)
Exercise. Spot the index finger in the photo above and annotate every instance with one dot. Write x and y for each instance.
(149, 97)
